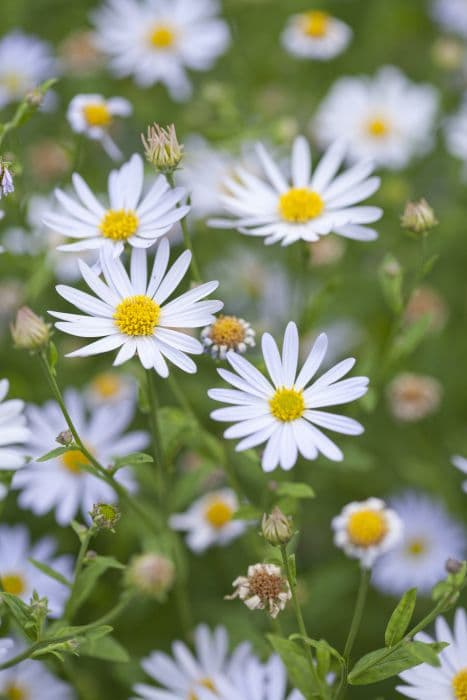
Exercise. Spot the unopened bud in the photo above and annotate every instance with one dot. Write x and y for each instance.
(162, 148)
(277, 528)
(29, 331)
(391, 268)
(453, 566)
(64, 438)
(6, 179)
(34, 98)
(418, 217)
(105, 516)
(151, 574)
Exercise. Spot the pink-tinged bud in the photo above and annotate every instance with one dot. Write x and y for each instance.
(152, 574)
(162, 148)
(418, 217)
(29, 331)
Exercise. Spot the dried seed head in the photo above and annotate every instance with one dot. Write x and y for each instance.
(264, 588)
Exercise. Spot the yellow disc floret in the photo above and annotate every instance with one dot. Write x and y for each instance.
(459, 684)
(300, 205)
(218, 513)
(106, 384)
(227, 330)
(416, 547)
(162, 37)
(16, 692)
(367, 527)
(119, 224)
(137, 315)
(74, 461)
(206, 683)
(316, 24)
(97, 114)
(378, 127)
(13, 583)
(287, 404)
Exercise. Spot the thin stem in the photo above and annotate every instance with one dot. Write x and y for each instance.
(156, 433)
(187, 238)
(89, 534)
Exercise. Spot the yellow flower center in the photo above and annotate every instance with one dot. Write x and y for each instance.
(218, 513)
(106, 384)
(15, 692)
(206, 683)
(13, 583)
(97, 114)
(287, 404)
(367, 527)
(74, 461)
(378, 127)
(119, 224)
(459, 684)
(162, 37)
(316, 23)
(416, 547)
(300, 204)
(137, 315)
(227, 330)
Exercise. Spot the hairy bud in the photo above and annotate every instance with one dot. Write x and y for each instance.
(162, 148)
(64, 438)
(276, 528)
(152, 574)
(453, 566)
(418, 217)
(29, 331)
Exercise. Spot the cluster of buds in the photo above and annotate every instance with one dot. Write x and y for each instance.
(263, 588)
(162, 148)
(418, 217)
(151, 574)
(29, 331)
(105, 516)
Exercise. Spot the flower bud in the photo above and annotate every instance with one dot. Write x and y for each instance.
(6, 179)
(161, 148)
(418, 217)
(29, 332)
(152, 574)
(277, 528)
(105, 516)
(34, 98)
(453, 566)
(64, 438)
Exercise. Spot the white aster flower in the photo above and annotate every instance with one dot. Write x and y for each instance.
(461, 464)
(93, 115)
(158, 40)
(129, 312)
(110, 388)
(430, 537)
(449, 680)
(263, 588)
(63, 484)
(131, 216)
(187, 675)
(31, 679)
(317, 35)
(25, 61)
(451, 15)
(367, 529)
(210, 521)
(307, 207)
(13, 430)
(284, 413)
(455, 132)
(20, 577)
(228, 333)
(387, 118)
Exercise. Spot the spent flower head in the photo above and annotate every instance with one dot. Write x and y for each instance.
(162, 148)
(276, 527)
(418, 217)
(264, 588)
(152, 574)
(29, 331)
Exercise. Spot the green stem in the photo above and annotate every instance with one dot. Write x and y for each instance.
(90, 532)
(154, 425)
(187, 238)
(365, 577)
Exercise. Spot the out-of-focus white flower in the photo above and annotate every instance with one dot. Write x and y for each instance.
(427, 301)
(209, 521)
(387, 118)
(460, 463)
(159, 41)
(284, 412)
(263, 588)
(451, 15)
(413, 397)
(367, 529)
(110, 387)
(25, 61)
(20, 577)
(455, 133)
(317, 35)
(430, 536)
(6, 180)
(13, 430)
(63, 484)
(308, 205)
(31, 679)
(93, 116)
(228, 333)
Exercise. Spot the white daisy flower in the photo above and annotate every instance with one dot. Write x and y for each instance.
(367, 529)
(93, 115)
(449, 680)
(284, 413)
(187, 675)
(228, 333)
(111, 388)
(308, 206)
(158, 40)
(430, 537)
(61, 484)
(461, 464)
(209, 521)
(13, 430)
(25, 62)
(31, 679)
(20, 577)
(451, 15)
(387, 119)
(455, 132)
(317, 35)
(131, 217)
(129, 312)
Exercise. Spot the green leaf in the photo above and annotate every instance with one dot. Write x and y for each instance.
(296, 663)
(391, 277)
(428, 653)
(105, 648)
(247, 512)
(400, 618)
(56, 452)
(385, 663)
(295, 489)
(410, 338)
(87, 579)
(53, 356)
(323, 658)
(132, 459)
(20, 611)
(48, 571)
(429, 264)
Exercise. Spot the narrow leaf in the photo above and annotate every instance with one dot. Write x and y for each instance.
(400, 618)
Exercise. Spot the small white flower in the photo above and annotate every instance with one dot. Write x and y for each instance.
(263, 588)
(316, 35)
(6, 180)
(129, 311)
(25, 61)
(13, 430)
(63, 484)
(31, 679)
(158, 41)
(387, 119)
(367, 529)
(20, 577)
(93, 115)
(284, 413)
(209, 521)
(461, 464)
(110, 388)
(228, 333)
(449, 680)
(130, 217)
(187, 675)
(430, 537)
(306, 207)
(451, 15)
